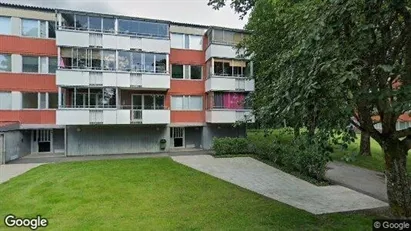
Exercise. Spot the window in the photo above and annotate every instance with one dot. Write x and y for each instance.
(195, 72)
(136, 27)
(148, 102)
(237, 68)
(30, 28)
(67, 20)
(149, 62)
(227, 37)
(95, 23)
(109, 98)
(137, 64)
(187, 103)
(81, 22)
(161, 63)
(186, 71)
(159, 102)
(5, 25)
(108, 24)
(52, 29)
(43, 65)
(109, 60)
(66, 58)
(95, 59)
(5, 62)
(196, 42)
(43, 100)
(30, 64)
(5, 100)
(53, 99)
(30, 100)
(186, 41)
(124, 60)
(52, 65)
(177, 41)
(227, 100)
(177, 71)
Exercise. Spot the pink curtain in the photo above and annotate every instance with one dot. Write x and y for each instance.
(234, 100)
(62, 63)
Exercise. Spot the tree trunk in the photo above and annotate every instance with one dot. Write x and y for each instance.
(296, 132)
(398, 181)
(365, 149)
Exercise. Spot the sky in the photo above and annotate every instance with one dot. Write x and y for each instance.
(186, 11)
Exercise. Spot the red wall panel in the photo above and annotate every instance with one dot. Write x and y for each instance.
(27, 82)
(187, 117)
(29, 46)
(29, 116)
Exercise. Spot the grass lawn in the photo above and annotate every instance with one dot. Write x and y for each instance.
(151, 194)
(375, 162)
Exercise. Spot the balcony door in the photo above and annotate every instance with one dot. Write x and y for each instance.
(137, 108)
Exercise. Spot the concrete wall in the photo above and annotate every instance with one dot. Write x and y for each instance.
(117, 139)
(58, 140)
(194, 136)
(17, 144)
(220, 130)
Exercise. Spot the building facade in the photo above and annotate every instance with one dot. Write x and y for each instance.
(82, 83)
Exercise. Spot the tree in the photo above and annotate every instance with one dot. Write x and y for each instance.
(324, 62)
(365, 145)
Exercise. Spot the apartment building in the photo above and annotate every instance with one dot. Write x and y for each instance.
(83, 83)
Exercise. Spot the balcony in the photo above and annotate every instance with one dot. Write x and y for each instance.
(229, 116)
(223, 51)
(86, 78)
(229, 83)
(70, 38)
(87, 116)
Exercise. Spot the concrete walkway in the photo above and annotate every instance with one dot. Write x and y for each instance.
(12, 170)
(256, 176)
(363, 180)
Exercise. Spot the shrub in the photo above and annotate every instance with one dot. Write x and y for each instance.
(230, 146)
(308, 157)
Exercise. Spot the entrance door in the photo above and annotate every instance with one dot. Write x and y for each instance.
(178, 137)
(2, 151)
(42, 140)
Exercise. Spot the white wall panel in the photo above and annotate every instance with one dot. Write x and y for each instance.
(156, 116)
(72, 78)
(72, 117)
(109, 79)
(123, 80)
(109, 117)
(109, 41)
(156, 45)
(72, 38)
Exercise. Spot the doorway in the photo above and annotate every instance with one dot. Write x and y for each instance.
(177, 137)
(42, 140)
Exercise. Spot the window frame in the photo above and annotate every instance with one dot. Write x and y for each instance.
(154, 106)
(9, 25)
(186, 98)
(186, 72)
(10, 63)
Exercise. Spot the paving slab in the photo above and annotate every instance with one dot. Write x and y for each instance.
(9, 171)
(266, 180)
(363, 180)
